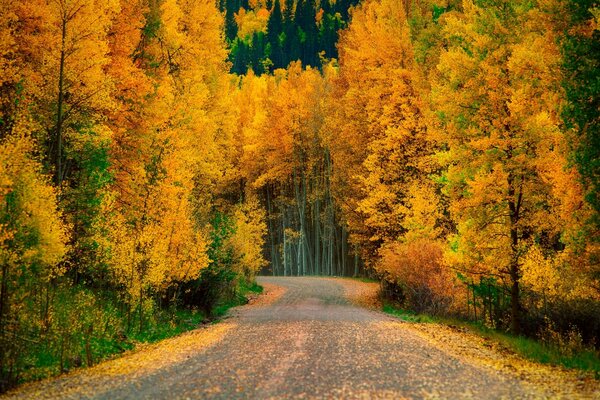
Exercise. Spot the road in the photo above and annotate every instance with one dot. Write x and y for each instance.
(308, 341)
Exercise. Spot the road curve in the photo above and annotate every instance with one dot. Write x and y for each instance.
(311, 342)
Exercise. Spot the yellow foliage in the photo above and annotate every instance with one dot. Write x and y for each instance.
(551, 276)
(170, 134)
(251, 21)
(377, 132)
(280, 118)
(498, 103)
(33, 232)
(248, 239)
(540, 273)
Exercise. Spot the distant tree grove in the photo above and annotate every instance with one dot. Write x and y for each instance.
(156, 155)
(265, 35)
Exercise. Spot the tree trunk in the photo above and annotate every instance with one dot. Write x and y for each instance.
(274, 253)
(514, 205)
(285, 245)
(59, 111)
(317, 228)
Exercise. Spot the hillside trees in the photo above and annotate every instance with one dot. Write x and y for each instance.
(470, 166)
(265, 37)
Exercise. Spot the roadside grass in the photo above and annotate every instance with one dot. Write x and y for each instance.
(237, 300)
(531, 349)
(407, 315)
(168, 325)
(254, 288)
(183, 320)
(165, 324)
(45, 363)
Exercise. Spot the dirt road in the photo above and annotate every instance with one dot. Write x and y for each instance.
(306, 338)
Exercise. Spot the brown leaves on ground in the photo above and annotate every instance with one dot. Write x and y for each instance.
(365, 294)
(550, 381)
(555, 382)
(271, 293)
(152, 357)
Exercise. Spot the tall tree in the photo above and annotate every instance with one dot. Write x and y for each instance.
(274, 31)
(498, 107)
(378, 138)
(33, 234)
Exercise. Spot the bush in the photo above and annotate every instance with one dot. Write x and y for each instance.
(564, 318)
(81, 329)
(236, 255)
(414, 276)
(215, 284)
(81, 325)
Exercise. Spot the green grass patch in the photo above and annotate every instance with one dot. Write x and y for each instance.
(535, 350)
(253, 288)
(237, 300)
(529, 348)
(221, 309)
(169, 324)
(407, 315)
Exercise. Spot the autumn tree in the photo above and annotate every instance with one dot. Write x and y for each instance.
(497, 104)
(69, 93)
(32, 244)
(33, 235)
(166, 147)
(381, 152)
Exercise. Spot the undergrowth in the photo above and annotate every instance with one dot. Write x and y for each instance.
(529, 348)
(164, 324)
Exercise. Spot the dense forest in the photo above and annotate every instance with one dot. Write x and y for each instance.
(156, 155)
(265, 35)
